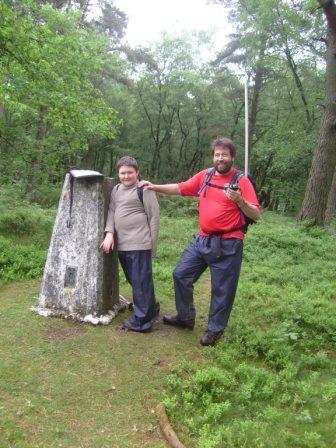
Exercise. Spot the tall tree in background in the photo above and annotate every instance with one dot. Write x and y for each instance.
(320, 184)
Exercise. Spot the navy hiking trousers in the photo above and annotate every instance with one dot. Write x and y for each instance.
(223, 257)
(137, 267)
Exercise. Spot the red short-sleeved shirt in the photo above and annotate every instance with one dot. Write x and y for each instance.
(217, 212)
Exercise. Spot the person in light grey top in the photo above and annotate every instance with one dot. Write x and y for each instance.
(134, 218)
(136, 223)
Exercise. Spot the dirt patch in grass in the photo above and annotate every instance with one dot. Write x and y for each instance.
(161, 363)
(159, 326)
(66, 331)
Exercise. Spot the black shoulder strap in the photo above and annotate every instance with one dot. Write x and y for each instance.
(236, 178)
(140, 191)
(206, 182)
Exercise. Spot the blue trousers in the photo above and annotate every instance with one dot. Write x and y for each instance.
(137, 267)
(223, 257)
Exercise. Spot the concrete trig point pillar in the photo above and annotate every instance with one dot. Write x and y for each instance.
(79, 280)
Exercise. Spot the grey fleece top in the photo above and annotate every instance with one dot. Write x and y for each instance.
(136, 224)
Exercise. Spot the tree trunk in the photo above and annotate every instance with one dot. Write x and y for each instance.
(298, 83)
(324, 159)
(331, 204)
(258, 83)
(237, 109)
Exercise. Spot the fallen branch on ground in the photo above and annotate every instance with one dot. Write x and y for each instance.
(166, 428)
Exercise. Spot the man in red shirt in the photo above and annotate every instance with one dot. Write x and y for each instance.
(219, 243)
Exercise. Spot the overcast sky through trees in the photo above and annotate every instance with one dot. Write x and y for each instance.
(148, 18)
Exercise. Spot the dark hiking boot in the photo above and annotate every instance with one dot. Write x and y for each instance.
(176, 322)
(210, 338)
(126, 326)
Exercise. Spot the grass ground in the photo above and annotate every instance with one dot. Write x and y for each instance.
(67, 384)
(269, 383)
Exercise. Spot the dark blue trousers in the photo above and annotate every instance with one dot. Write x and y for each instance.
(223, 257)
(137, 267)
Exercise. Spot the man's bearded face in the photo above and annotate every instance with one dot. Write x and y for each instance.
(222, 160)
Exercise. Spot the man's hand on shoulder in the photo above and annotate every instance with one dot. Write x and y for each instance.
(166, 188)
(145, 183)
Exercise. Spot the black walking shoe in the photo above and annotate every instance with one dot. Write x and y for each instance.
(177, 322)
(210, 338)
(126, 326)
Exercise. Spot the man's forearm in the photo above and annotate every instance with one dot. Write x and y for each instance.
(252, 211)
(167, 189)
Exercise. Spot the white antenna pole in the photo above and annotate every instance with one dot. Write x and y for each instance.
(246, 127)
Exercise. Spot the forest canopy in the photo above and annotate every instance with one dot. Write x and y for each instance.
(74, 95)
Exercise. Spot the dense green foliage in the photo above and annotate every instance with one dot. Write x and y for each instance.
(75, 96)
(52, 100)
(270, 381)
(20, 261)
(24, 237)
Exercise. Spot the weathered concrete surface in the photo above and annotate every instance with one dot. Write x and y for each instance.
(79, 280)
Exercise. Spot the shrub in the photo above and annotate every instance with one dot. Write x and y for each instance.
(20, 261)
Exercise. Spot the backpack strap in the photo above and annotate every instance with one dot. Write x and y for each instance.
(140, 191)
(206, 181)
(234, 186)
(235, 180)
(210, 171)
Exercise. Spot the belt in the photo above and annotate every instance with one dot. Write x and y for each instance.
(217, 237)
